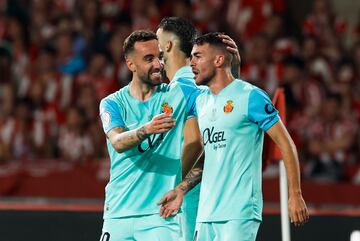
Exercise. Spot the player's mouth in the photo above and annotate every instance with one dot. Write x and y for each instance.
(156, 73)
(195, 71)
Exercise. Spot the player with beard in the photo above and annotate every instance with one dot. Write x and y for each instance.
(233, 116)
(139, 123)
(176, 36)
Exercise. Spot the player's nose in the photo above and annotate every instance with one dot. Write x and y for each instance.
(157, 63)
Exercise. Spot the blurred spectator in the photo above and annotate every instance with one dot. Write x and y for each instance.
(86, 101)
(5, 66)
(19, 132)
(248, 17)
(74, 142)
(59, 58)
(100, 75)
(323, 20)
(331, 137)
(7, 106)
(259, 68)
(68, 62)
(121, 73)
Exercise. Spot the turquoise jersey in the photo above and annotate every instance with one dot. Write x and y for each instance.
(185, 75)
(232, 124)
(139, 177)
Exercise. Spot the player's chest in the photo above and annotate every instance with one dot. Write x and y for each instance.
(225, 112)
(137, 114)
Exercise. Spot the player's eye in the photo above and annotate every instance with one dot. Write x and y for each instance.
(149, 58)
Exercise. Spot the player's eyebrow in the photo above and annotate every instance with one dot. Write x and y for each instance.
(148, 56)
(195, 54)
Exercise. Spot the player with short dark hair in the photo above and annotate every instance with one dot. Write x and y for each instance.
(144, 145)
(176, 37)
(233, 116)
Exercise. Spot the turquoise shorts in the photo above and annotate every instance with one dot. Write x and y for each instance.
(232, 230)
(189, 213)
(188, 222)
(141, 228)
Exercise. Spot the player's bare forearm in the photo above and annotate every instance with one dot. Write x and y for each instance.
(291, 162)
(125, 140)
(171, 201)
(298, 211)
(191, 180)
(193, 147)
(289, 153)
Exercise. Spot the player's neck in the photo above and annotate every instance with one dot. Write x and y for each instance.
(220, 81)
(140, 90)
(175, 61)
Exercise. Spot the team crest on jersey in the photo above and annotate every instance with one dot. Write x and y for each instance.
(166, 108)
(229, 106)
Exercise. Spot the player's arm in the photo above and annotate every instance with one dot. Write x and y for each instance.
(297, 208)
(171, 202)
(123, 140)
(192, 147)
(192, 164)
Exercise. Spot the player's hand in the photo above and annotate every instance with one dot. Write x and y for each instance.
(231, 46)
(159, 124)
(170, 203)
(298, 211)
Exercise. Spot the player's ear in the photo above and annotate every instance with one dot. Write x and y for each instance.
(219, 60)
(130, 64)
(169, 45)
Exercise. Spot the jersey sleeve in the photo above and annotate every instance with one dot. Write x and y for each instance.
(191, 92)
(110, 115)
(261, 110)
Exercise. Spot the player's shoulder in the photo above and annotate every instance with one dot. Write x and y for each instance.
(111, 97)
(243, 85)
(250, 89)
(115, 98)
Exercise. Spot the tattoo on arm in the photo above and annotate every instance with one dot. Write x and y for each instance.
(124, 140)
(191, 179)
(141, 133)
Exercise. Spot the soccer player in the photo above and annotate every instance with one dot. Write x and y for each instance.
(233, 116)
(176, 36)
(144, 145)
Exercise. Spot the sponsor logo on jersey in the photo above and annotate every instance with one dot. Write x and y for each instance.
(215, 138)
(210, 136)
(166, 108)
(229, 106)
(151, 142)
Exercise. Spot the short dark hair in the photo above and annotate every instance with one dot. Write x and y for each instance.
(137, 36)
(210, 38)
(183, 29)
(214, 39)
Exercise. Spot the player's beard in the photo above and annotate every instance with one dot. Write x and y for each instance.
(202, 79)
(154, 77)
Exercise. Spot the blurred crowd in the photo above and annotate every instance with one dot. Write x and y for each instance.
(58, 58)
